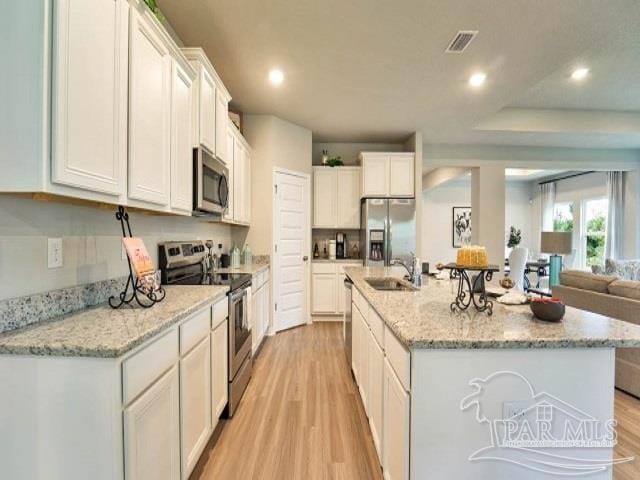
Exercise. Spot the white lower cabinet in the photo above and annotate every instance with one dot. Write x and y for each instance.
(375, 397)
(259, 309)
(151, 432)
(219, 370)
(395, 440)
(327, 278)
(363, 366)
(324, 293)
(195, 404)
(385, 398)
(355, 342)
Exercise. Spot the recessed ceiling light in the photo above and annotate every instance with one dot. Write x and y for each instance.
(477, 79)
(276, 77)
(580, 73)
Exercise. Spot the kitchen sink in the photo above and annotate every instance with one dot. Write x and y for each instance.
(390, 284)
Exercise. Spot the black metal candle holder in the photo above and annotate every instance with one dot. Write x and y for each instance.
(143, 298)
(468, 288)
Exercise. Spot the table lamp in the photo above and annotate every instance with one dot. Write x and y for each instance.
(555, 243)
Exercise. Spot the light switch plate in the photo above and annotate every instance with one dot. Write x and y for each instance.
(54, 252)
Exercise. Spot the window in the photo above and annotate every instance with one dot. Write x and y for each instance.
(563, 217)
(593, 235)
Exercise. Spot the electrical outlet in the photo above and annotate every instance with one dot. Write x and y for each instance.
(514, 409)
(54, 252)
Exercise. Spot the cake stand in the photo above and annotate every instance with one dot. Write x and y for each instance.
(468, 289)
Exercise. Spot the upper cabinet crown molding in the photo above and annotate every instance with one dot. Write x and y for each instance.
(388, 174)
(196, 54)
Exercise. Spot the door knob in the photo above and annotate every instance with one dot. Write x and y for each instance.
(305, 258)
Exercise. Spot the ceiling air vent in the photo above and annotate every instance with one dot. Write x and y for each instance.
(461, 41)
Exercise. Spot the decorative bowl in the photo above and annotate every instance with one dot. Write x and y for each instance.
(506, 283)
(547, 309)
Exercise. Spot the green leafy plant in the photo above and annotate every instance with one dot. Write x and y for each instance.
(515, 237)
(335, 161)
(153, 6)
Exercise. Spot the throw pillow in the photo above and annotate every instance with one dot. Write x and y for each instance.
(625, 288)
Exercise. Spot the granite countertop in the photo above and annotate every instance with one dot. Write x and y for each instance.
(103, 332)
(252, 269)
(336, 260)
(423, 319)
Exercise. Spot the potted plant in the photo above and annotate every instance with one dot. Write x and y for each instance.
(515, 237)
(153, 6)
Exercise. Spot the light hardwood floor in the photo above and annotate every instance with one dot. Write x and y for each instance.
(301, 417)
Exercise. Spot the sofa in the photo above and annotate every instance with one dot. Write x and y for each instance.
(614, 297)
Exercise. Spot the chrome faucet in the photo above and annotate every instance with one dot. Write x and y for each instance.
(415, 274)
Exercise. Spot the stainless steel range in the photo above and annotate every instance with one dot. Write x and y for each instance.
(183, 263)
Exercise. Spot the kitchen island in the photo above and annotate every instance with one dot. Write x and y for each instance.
(453, 395)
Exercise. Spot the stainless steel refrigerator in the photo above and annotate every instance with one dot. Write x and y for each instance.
(388, 230)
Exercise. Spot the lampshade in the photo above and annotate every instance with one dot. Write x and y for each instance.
(555, 242)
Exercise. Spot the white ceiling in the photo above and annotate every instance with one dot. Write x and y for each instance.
(375, 70)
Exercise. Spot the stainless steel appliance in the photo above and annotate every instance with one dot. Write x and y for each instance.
(388, 230)
(183, 263)
(210, 184)
(348, 285)
(341, 245)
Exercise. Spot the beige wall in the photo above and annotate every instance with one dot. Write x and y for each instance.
(274, 143)
(91, 240)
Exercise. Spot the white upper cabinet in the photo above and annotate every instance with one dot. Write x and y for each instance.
(387, 174)
(336, 197)
(375, 175)
(181, 146)
(149, 112)
(324, 197)
(210, 106)
(222, 117)
(348, 207)
(89, 92)
(228, 214)
(401, 176)
(239, 179)
(207, 111)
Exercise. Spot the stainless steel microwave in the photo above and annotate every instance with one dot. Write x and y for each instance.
(210, 183)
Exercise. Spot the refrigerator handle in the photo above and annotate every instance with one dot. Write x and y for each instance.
(389, 227)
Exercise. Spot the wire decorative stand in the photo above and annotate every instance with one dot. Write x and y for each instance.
(472, 291)
(143, 298)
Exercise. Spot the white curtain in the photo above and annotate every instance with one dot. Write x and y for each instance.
(547, 201)
(615, 220)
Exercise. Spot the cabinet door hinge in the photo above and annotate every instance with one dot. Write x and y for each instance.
(276, 306)
(276, 246)
(275, 188)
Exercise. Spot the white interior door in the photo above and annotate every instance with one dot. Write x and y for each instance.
(291, 250)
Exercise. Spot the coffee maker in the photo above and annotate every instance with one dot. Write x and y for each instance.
(341, 245)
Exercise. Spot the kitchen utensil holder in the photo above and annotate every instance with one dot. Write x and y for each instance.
(142, 298)
(472, 291)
